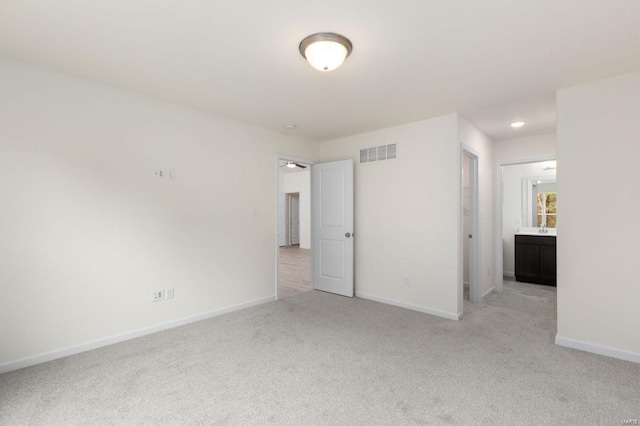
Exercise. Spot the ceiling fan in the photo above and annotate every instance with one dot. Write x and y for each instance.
(293, 165)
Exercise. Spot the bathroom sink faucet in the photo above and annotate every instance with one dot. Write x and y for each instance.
(543, 228)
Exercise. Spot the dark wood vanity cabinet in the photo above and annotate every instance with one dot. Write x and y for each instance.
(535, 258)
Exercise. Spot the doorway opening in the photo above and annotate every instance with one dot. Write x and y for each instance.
(525, 204)
(470, 275)
(293, 269)
(293, 218)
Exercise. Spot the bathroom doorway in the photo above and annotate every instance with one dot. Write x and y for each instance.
(527, 195)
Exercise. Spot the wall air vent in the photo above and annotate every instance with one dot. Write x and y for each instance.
(379, 153)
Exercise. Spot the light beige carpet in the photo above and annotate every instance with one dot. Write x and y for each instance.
(324, 359)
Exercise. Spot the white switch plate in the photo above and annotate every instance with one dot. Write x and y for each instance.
(168, 293)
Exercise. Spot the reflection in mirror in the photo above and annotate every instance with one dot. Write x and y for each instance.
(546, 207)
(539, 196)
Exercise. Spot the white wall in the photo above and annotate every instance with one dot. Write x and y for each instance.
(473, 139)
(407, 215)
(512, 214)
(527, 148)
(88, 232)
(598, 290)
(300, 182)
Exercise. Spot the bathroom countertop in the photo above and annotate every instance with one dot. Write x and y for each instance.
(551, 232)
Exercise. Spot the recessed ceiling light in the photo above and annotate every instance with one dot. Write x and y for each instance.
(517, 124)
(325, 51)
(290, 126)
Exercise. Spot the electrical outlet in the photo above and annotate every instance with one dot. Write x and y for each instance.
(159, 173)
(405, 281)
(168, 293)
(157, 295)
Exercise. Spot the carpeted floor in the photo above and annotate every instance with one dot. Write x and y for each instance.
(324, 359)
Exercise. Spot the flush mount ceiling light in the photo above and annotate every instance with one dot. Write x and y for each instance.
(291, 164)
(325, 51)
(517, 124)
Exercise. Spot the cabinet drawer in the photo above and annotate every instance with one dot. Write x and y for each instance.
(542, 240)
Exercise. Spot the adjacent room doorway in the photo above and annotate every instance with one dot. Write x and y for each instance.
(519, 207)
(470, 284)
(294, 228)
(294, 218)
(314, 243)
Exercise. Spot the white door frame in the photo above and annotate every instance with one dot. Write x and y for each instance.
(474, 244)
(499, 190)
(309, 163)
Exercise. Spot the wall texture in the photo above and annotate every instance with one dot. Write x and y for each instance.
(527, 148)
(598, 289)
(88, 232)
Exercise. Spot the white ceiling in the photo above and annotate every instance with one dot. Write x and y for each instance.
(493, 60)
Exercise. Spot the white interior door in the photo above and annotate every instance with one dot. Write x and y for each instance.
(282, 221)
(332, 239)
(294, 218)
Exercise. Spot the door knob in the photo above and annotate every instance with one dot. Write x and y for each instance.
(347, 235)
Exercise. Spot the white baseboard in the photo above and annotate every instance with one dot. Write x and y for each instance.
(488, 292)
(94, 344)
(418, 308)
(598, 349)
(509, 274)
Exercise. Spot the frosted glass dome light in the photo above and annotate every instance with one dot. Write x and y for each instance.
(325, 51)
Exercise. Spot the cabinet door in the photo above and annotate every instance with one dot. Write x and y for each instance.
(548, 264)
(527, 259)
